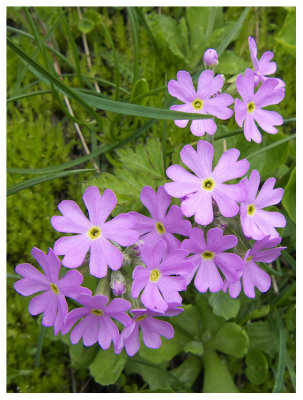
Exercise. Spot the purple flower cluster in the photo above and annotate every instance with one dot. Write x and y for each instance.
(163, 253)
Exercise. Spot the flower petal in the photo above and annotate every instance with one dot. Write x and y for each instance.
(268, 94)
(251, 132)
(240, 112)
(218, 106)
(34, 281)
(99, 207)
(209, 85)
(72, 317)
(245, 85)
(152, 299)
(267, 120)
(269, 196)
(121, 230)
(73, 219)
(198, 127)
(208, 277)
(228, 167)
(217, 242)
(182, 88)
(265, 66)
(74, 249)
(184, 184)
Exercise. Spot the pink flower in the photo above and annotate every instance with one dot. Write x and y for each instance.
(151, 328)
(160, 225)
(253, 276)
(251, 108)
(264, 66)
(201, 101)
(209, 256)
(162, 278)
(96, 324)
(94, 234)
(51, 302)
(207, 184)
(210, 58)
(257, 223)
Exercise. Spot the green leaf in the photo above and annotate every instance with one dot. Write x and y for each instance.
(256, 367)
(231, 64)
(86, 25)
(217, 378)
(168, 349)
(188, 371)
(170, 31)
(194, 347)
(258, 313)
(189, 320)
(82, 356)
(223, 305)
(287, 36)
(107, 366)
(289, 197)
(230, 339)
(210, 323)
(262, 337)
(139, 89)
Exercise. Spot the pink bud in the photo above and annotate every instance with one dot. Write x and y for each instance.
(210, 58)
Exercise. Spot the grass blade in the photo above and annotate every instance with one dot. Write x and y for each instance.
(41, 179)
(288, 258)
(271, 146)
(279, 378)
(134, 26)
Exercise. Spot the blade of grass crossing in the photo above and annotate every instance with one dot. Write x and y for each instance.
(279, 377)
(134, 25)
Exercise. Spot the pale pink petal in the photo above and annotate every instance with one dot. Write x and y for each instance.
(32, 282)
(62, 310)
(140, 280)
(198, 127)
(175, 223)
(205, 153)
(99, 207)
(229, 264)
(152, 299)
(267, 67)
(209, 85)
(73, 219)
(240, 112)
(253, 52)
(245, 85)
(70, 284)
(121, 230)
(217, 106)
(74, 249)
(72, 317)
(267, 120)
(193, 161)
(184, 184)
(269, 196)
(268, 94)
(218, 242)
(49, 262)
(228, 167)
(252, 186)
(208, 277)
(251, 132)
(182, 88)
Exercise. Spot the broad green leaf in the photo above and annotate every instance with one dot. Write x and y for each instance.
(86, 25)
(107, 366)
(194, 347)
(168, 349)
(289, 197)
(189, 320)
(258, 313)
(210, 323)
(189, 370)
(262, 337)
(256, 367)
(231, 64)
(223, 305)
(82, 356)
(140, 88)
(230, 339)
(287, 36)
(170, 31)
(197, 19)
(217, 378)
(155, 375)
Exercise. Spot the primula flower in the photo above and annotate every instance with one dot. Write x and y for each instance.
(252, 275)
(200, 101)
(264, 66)
(51, 302)
(209, 256)
(151, 328)
(94, 234)
(210, 58)
(161, 225)
(96, 324)
(257, 223)
(161, 278)
(207, 184)
(251, 108)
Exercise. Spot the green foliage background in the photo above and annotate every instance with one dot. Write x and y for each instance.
(220, 344)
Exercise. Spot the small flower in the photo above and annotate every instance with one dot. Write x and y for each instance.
(209, 256)
(251, 109)
(94, 234)
(264, 66)
(96, 324)
(151, 328)
(51, 302)
(207, 184)
(117, 283)
(252, 275)
(161, 278)
(257, 223)
(210, 58)
(161, 226)
(200, 101)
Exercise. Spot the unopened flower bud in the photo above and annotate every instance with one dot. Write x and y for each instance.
(117, 283)
(210, 58)
(138, 247)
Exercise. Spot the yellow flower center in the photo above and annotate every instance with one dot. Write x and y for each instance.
(94, 232)
(208, 184)
(141, 317)
(251, 210)
(249, 259)
(208, 255)
(54, 288)
(154, 275)
(250, 107)
(160, 228)
(198, 104)
(96, 311)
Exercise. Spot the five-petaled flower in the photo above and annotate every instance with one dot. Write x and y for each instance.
(206, 100)
(208, 257)
(251, 108)
(256, 222)
(253, 276)
(94, 234)
(206, 185)
(160, 225)
(52, 302)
